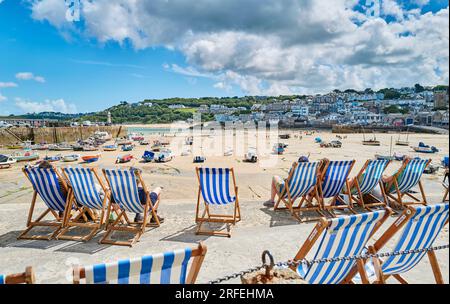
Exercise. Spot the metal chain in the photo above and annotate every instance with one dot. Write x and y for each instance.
(325, 260)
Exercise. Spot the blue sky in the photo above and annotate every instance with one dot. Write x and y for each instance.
(152, 51)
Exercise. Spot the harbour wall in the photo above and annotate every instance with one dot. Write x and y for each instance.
(56, 134)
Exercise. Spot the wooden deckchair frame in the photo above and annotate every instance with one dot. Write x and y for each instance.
(71, 221)
(198, 253)
(323, 225)
(39, 222)
(305, 203)
(359, 196)
(26, 277)
(208, 217)
(445, 198)
(397, 199)
(401, 221)
(137, 228)
(346, 190)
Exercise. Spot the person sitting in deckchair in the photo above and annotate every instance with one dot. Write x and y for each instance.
(278, 183)
(154, 194)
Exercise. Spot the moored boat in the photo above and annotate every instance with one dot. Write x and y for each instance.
(91, 158)
(52, 158)
(110, 148)
(6, 161)
(27, 156)
(124, 159)
(127, 148)
(70, 158)
(148, 156)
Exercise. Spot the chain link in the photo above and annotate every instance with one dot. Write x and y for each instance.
(327, 260)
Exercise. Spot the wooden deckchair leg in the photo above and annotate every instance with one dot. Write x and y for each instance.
(362, 271)
(424, 198)
(377, 267)
(30, 213)
(435, 266)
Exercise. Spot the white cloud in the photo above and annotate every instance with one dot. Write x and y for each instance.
(29, 76)
(58, 105)
(7, 85)
(276, 46)
(2, 98)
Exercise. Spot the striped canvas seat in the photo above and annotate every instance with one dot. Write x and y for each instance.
(166, 268)
(84, 187)
(124, 189)
(335, 178)
(411, 175)
(420, 232)
(372, 175)
(46, 183)
(215, 186)
(344, 237)
(302, 180)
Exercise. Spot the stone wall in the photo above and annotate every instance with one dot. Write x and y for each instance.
(57, 134)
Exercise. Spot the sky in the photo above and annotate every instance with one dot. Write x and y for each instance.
(86, 55)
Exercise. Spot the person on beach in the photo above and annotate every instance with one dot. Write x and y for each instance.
(278, 182)
(154, 194)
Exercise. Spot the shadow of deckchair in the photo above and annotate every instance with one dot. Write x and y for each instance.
(186, 235)
(278, 219)
(90, 247)
(10, 240)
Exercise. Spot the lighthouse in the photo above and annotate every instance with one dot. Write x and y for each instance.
(108, 121)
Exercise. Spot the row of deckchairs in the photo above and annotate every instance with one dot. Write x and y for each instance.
(75, 193)
(331, 245)
(323, 186)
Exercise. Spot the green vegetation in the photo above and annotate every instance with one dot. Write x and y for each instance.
(390, 93)
(395, 109)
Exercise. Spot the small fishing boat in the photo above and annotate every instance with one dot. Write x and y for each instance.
(27, 156)
(102, 136)
(70, 158)
(400, 142)
(370, 142)
(39, 147)
(6, 161)
(284, 136)
(127, 148)
(199, 159)
(164, 156)
(251, 156)
(318, 140)
(121, 142)
(110, 148)
(124, 159)
(384, 157)
(14, 147)
(228, 152)
(60, 147)
(336, 144)
(77, 147)
(148, 156)
(156, 147)
(90, 148)
(423, 148)
(52, 158)
(144, 143)
(399, 157)
(90, 158)
(136, 136)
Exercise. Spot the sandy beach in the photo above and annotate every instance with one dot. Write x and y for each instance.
(260, 228)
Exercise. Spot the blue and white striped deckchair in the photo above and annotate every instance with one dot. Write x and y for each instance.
(53, 190)
(215, 189)
(165, 268)
(332, 182)
(419, 226)
(301, 181)
(26, 277)
(123, 184)
(404, 180)
(365, 182)
(340, 237)
(90, 194)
